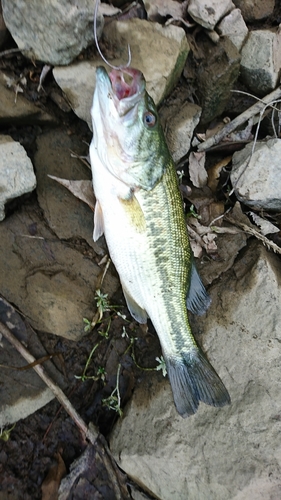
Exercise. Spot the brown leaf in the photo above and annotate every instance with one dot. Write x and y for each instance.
(83, 190)
(51, 483)
(214, 173)
(197, 171)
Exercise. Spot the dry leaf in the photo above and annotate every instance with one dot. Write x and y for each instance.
(265, 226)
(242, 135)
(196, 249)
(51, 483)
(197, 171)
(83, 190)
(214, 173)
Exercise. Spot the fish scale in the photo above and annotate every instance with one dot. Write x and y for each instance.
(139, 209)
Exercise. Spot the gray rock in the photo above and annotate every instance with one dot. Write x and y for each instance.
(168, 51)
(208, 13)
(261, 61)
(53, 32)
(52, 281)
(234, 27)
(229, 453)
(78, 81)
(3, 29)
(256, 179)
(216, 76)
(17, 175)
(21, 392)
(255, 10)
(67, 216)
(179, 122)
(16, 110)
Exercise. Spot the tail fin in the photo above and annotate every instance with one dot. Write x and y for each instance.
(193, 379)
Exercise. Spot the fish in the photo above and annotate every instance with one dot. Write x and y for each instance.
(139, 210)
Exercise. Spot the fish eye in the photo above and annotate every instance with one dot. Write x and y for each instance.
(149, 119)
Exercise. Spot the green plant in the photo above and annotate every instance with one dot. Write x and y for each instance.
(6, 434)
(193, 213)
(161, 366)
(83, 377)
(113, 402)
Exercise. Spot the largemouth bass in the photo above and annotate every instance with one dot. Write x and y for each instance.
(140, 211)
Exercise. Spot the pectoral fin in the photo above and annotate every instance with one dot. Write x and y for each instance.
(197, 300)
(134, 212)
(136, 311)
(98, 222)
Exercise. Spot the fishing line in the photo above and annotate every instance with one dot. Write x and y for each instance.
(122, 66)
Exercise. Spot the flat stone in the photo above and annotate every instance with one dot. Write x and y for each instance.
(209, 12)
(17, 175)
(21, 392)
(16, 110)
(261, 61)
(179, 122)
(168, 51)
(216, 76)
(255, 10)
(67, 216)
(51, 281)
(78, 82)
(3, 29)
(54, 32)
(234, 27)
(220, 453)
(256, 179)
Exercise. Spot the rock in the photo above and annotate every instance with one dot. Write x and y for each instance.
(208, 13)
(261, 61)
(3, 29)
(231, 452)
(256, 179)
(255, 10)
(234, 27)
(17, 175)
(179, 122)
(62, 30)
(168, 52)
(67, 216)
(216, 75)
(16, 110)
(51, 281)
(78, 81)
(21, 392)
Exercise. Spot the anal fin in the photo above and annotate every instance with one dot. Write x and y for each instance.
(98, 222)
(197, 300)
(136, 311)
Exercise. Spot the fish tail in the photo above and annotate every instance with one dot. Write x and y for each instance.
(193, 379)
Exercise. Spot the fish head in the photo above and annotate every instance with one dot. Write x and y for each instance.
(127, 136)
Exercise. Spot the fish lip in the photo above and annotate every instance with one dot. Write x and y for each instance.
(114, 86)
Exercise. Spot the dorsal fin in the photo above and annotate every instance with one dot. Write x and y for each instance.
(197, 300)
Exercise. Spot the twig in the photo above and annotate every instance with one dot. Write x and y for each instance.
(253, 232)
(10, 51)
(239, 120)
(90, 433)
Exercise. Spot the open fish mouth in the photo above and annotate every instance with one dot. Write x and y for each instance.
(124, 86)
